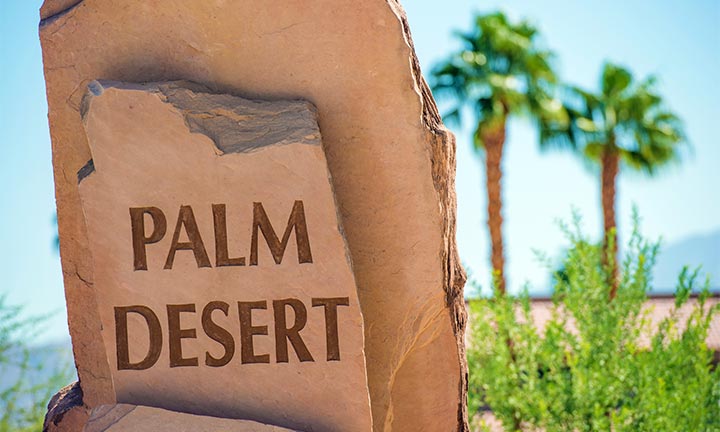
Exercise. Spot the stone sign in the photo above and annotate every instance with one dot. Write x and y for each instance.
(392, 164)
(221, 272)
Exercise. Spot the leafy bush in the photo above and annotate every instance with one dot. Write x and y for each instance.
(29, 375)
(599, 364)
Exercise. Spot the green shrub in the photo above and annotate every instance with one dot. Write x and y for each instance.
(599, 364)
(29, 375)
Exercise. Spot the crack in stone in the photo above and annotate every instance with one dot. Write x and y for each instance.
(86, 282)
(282, 29)
(121, 417)
(105, 425)
(86, 170)
(53, 17)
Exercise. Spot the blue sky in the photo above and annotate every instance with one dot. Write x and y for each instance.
(678, 41)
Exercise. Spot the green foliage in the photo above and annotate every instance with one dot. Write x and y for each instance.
(626, 117)
(599, 364)
(26, 382)
(500, 70)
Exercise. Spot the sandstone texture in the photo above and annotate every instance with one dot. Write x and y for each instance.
(131, 418)
(222, 279)
(392, 164)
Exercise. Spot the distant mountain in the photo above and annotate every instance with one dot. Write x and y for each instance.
(699, 250)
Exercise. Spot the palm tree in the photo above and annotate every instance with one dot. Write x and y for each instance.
(626, 123)
(500, 71)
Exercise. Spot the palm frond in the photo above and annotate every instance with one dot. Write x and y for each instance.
(628, 116)
(500, 69)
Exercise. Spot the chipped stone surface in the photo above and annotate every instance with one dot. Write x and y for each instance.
(131, 418)
(223, 282)
(66, 412)
(235, 125)
(391, 159)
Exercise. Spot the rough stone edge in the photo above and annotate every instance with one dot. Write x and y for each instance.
(294, 111)
(166, 89)
(443, 164)
(68, 398)
(52, 9)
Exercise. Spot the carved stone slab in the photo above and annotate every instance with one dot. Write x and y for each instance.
(392, 162)
(130, 418)
(223, 282)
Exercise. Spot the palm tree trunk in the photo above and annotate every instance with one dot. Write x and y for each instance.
(494, 140)
(610, 165)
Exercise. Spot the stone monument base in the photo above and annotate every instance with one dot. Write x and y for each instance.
(67, 413)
